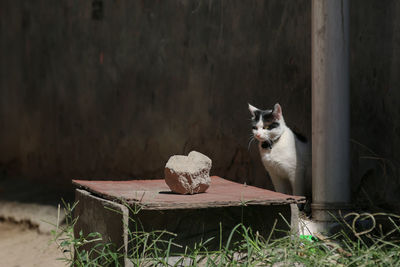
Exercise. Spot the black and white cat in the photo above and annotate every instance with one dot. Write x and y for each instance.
(285, 155)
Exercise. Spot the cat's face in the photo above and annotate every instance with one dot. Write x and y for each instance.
(266, 124)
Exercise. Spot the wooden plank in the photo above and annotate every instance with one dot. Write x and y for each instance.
(156, 195)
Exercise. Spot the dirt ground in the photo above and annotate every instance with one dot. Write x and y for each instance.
(28, 212)
(22, 245)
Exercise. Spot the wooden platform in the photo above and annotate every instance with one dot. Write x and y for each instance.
(194, 218)
(156, 195)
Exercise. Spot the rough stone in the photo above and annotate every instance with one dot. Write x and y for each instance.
(188, 174)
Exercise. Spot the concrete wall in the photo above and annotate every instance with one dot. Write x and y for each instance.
(110, 89)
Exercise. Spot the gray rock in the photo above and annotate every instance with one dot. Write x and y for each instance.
(188, 174)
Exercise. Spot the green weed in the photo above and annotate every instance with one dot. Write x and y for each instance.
(348, 247)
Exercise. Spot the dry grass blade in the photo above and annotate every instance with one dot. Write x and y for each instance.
(332, 244)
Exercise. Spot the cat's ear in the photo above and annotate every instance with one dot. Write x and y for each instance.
(252, 110)
(277, 111)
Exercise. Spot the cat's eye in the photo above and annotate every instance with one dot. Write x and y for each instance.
(254, 128)
(273, 125)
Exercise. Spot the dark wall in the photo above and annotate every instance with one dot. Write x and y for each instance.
(111, 89)
(375, 100)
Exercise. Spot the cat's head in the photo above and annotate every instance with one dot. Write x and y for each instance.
(267, 125)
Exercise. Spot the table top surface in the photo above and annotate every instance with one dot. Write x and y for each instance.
(156, 195)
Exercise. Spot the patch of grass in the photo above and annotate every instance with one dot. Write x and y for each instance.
(349, 247)
(81, 250)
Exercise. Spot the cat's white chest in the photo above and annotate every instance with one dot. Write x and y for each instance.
(281, 160)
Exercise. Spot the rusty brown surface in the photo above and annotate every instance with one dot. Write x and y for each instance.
(155, 194)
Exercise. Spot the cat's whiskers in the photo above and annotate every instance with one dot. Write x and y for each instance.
(250, 141)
